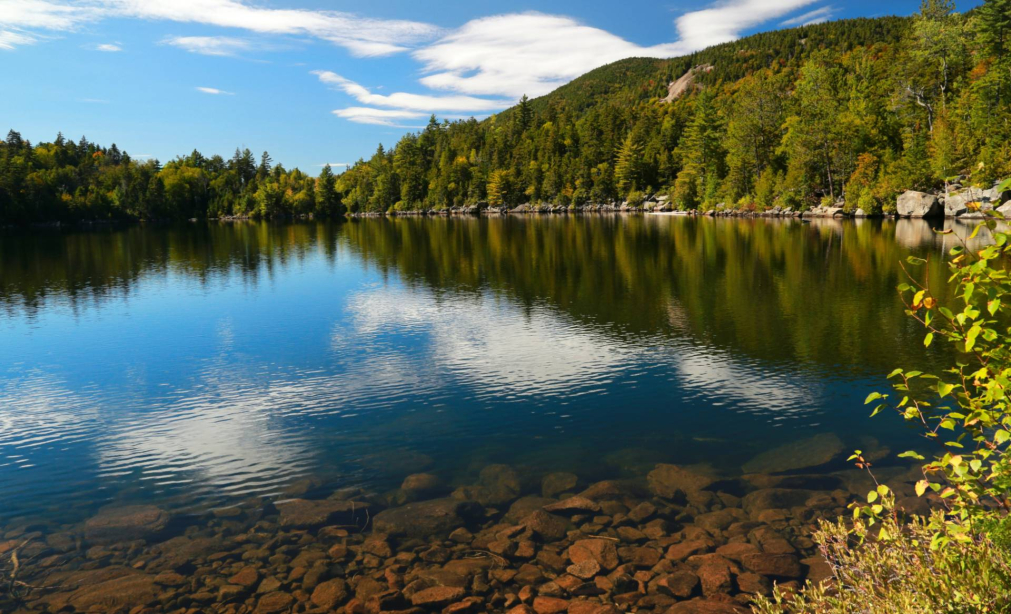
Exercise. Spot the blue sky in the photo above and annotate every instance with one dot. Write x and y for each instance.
(316, 81)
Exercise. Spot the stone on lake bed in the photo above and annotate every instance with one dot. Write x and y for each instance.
(672, 481)
(811, 452)
(128, 523)
(573, 505)
(330, 594)
(555, 484)
(602, 551)
(426, 518)
(311, 514)
(421, 483)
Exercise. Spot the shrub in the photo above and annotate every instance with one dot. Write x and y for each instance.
(636, 198)
(957, 560)
(903, 574)
(868, 203)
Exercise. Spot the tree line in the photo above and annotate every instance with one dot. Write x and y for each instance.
(71, 181)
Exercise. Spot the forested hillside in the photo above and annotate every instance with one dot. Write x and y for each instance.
(858, 110)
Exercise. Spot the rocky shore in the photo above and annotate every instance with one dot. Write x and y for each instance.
(679, 540)
(957, 202)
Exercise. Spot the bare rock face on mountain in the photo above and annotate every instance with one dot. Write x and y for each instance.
(683, 85)
(919, 204)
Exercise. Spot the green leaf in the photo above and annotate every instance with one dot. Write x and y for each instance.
(911, 454)
(928, 339)
(944, 389)
(874, 396)
(921, 487)
(1001, 436)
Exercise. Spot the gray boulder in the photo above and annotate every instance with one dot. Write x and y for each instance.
(918, 204)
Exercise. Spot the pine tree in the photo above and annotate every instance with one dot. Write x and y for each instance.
(328, 201)
(628, 166)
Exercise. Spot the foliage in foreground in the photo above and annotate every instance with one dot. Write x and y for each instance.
(904, 574)
(958, 559)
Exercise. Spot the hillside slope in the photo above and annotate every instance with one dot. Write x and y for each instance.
(860, 109)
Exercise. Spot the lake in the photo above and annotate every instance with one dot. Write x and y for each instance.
(218, 366)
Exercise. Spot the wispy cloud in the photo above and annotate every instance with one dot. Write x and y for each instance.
(377, 117)
(211, 45)
(214, 91)
(812, 17)
(410, 102)
(108, 47)
(22, 20)
(534, 53)
(10, 39)
(94, 100)
(360, 35)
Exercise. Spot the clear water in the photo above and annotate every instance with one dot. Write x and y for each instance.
(203, 365)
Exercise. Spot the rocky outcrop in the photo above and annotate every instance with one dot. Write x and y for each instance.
(683, 85)
(918, 204)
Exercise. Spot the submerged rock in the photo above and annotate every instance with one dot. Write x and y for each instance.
(113, 524)
(810, 452)
(426, 518)
(308, 514)
(555, 484)
(674, 482)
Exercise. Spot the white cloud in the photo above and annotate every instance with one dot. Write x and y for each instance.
(9, 40)
(411, 102)
(726, 21)
(20, 20)
(109, 47)
(210, 45)
(534, 53)
(812, 17)
(377, 117)
(21, 14)
(361, 36)
(215, 91)
(334, 164)
(94, 100)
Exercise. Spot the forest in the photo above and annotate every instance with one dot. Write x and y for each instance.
(850, 112)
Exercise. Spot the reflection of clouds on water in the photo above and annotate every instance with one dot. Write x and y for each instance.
(488, 341)
(219, 428)
(757, 388)
(39, 410)
(504, 349)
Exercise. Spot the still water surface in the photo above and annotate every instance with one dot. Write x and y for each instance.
(204, 365)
